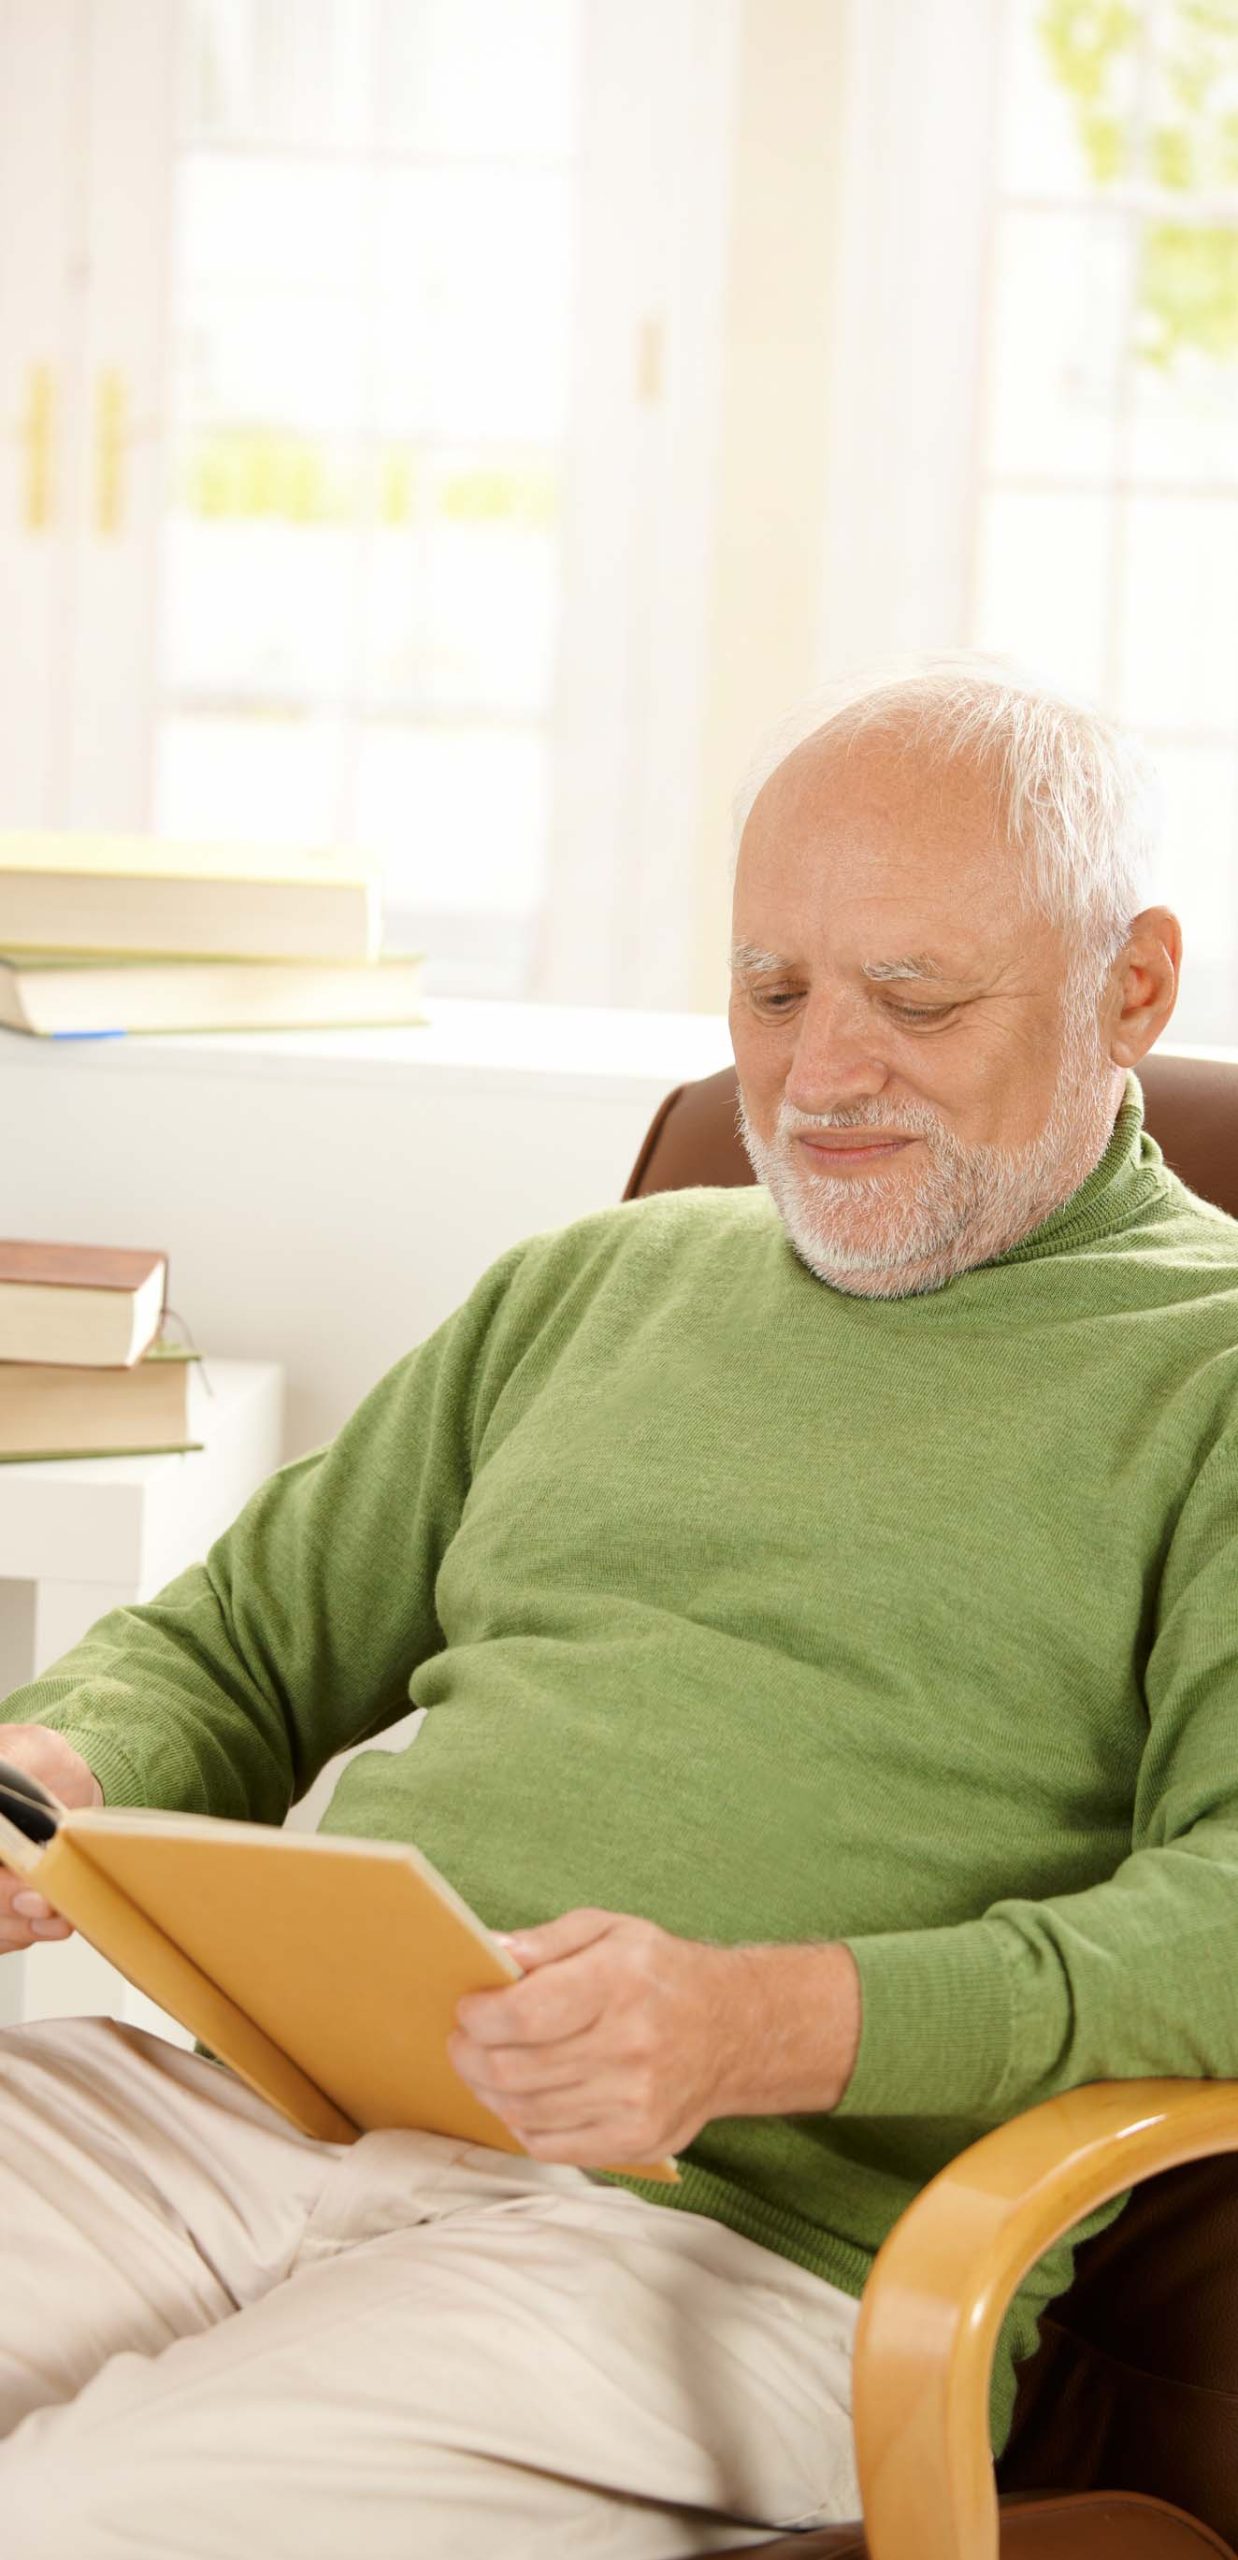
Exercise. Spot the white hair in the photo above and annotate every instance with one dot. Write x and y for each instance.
(1077, 798)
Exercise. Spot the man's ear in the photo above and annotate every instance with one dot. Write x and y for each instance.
(1143, 986)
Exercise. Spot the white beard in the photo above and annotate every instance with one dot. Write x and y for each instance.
(880, 1236)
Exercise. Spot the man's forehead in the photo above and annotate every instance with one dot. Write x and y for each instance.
(871, 817)
(894, 772)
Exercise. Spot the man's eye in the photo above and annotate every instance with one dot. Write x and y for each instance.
(774, 999)
(920, 1013)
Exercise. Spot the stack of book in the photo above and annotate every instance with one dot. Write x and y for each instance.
(106, 934)
(84, 1371)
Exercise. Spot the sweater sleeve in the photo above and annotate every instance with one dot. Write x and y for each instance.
(299, 1633)
(1133, 1975)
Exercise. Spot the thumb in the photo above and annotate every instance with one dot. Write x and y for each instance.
(555, 1938)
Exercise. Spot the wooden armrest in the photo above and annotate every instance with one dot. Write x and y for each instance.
(943, 2280)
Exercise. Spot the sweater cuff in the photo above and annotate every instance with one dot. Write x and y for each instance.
(936, 2022)
(105, 1757)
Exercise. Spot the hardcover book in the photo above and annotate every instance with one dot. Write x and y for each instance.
(90, 1305)
(57, 995)
(325, 1971)
(138, 896)
(51, 1411)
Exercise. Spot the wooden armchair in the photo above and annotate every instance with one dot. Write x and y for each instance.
(1125, 2436)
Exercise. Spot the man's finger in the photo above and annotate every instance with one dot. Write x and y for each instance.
(597, 2145)
(507, 2069)
(17, 1935)
(26, 1917)
(555, 1938)
(569, 2114)
(565, 1999)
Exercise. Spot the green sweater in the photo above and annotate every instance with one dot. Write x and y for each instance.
(776, 1614)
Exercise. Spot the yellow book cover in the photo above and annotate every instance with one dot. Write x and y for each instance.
(325, 1971)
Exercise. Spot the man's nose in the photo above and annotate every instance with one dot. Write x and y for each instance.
(838, 1055)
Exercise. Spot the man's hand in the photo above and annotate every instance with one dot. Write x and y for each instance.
(25, 1917)
(621, 2041)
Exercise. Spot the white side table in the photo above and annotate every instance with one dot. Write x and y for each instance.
(82, 1535)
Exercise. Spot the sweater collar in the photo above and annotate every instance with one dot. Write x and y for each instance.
(1130, 1173)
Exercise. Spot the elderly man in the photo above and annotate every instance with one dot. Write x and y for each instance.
(823, 1601)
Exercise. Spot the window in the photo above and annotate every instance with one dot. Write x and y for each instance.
(375, 218)
(361, 361)
(1106, 509)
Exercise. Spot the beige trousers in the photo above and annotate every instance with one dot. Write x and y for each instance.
(221, 2340)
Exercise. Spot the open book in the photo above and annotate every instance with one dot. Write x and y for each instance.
(326, 1972)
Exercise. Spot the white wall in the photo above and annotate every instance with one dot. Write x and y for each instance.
(327, 1199)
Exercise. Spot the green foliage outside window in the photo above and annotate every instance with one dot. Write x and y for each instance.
(1105, 55)
(249, 474)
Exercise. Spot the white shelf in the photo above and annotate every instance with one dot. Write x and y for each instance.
(568, 1047)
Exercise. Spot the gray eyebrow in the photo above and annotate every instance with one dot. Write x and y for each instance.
(747, 957)
(917, 968)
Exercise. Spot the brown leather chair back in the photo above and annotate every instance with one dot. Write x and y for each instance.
(1135, 2383)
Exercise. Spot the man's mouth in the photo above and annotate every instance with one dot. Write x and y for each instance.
(839, 1148)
